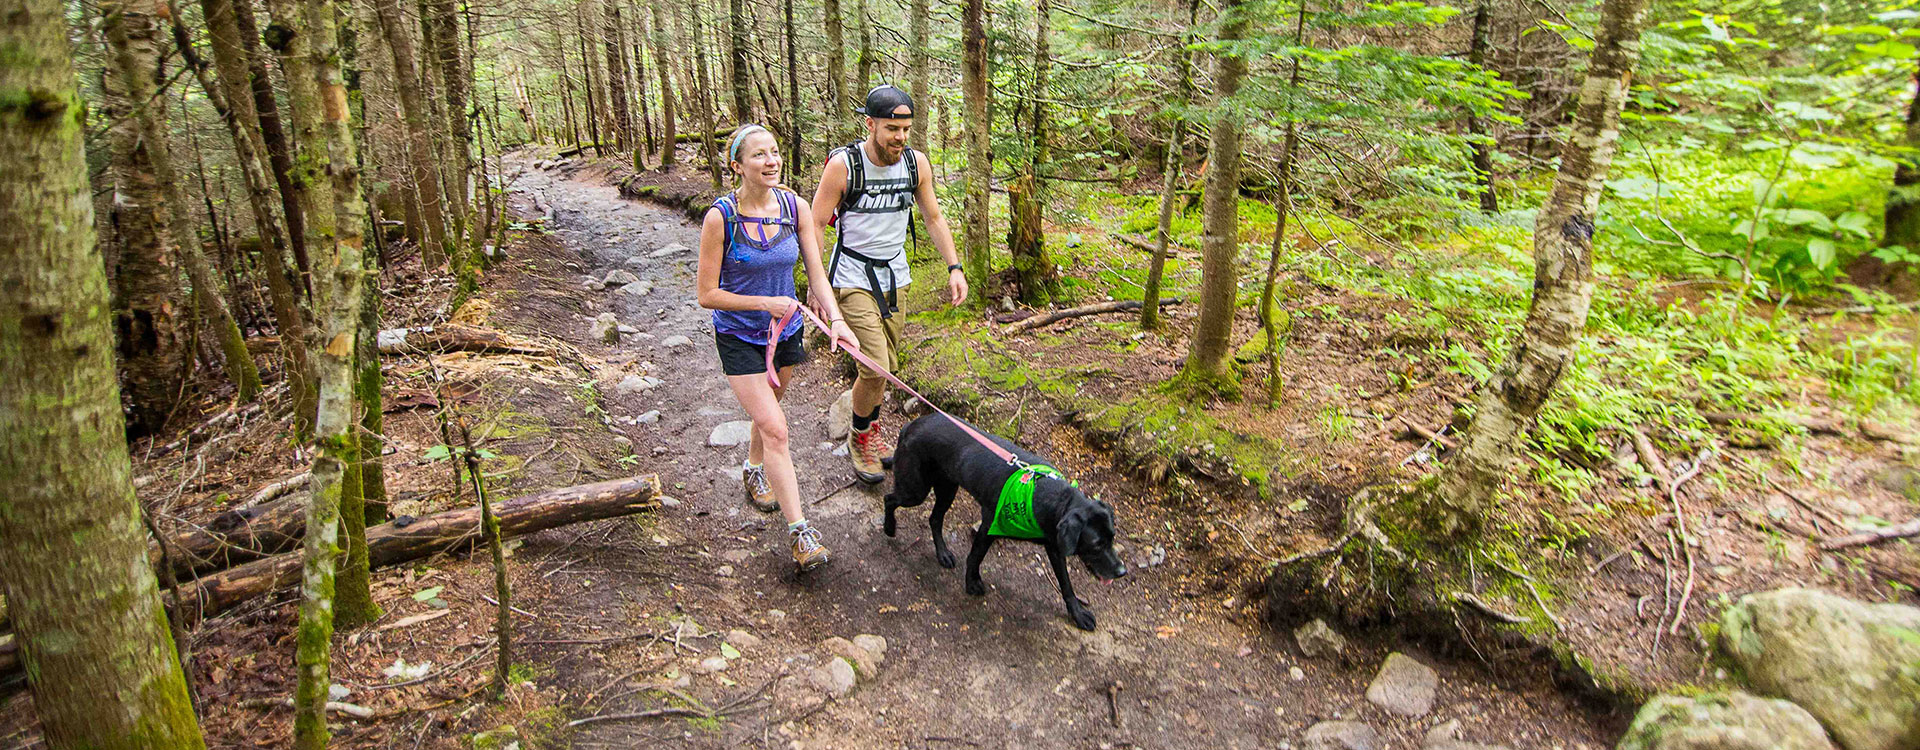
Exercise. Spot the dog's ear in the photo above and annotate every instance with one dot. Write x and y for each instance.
(1069, 530)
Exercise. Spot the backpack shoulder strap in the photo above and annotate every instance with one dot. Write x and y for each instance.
(856, 175)
(729, 212)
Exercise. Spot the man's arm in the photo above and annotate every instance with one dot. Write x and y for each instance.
(936, 228)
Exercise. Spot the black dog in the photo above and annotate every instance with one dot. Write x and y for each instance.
(934, 453)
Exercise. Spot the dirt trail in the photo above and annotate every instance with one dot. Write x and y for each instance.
(1005, 670)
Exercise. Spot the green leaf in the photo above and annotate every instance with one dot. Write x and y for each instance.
(1804, 217)
(1745, 228)
(1714, 30)
(1822, 251)
(438, 453)
(727, 650)
(427, 593)
(1888, 49)
(1855, 223)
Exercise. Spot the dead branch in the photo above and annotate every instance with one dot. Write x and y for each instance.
(1902, 531)
(1041, 321)
(455, 338)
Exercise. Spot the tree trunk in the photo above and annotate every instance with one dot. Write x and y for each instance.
(917, 71)
(1476, 125)
(974, 93)
(616, 43)
(1562, 278)
(336, 221)
(706, 94)
(99, 658)
(864, 60)
(279, 156)
(1170, 164)
(1902, 218)
(640, 87)
(836, 107)
(133, 35)
(153, 331)
(594, 100)
(566, 93)
(434, 249)
(1026, 199)
(443, 31)
(245, 126)
(797, 166)
(1206, 364)
(662, 42)
(737, 49)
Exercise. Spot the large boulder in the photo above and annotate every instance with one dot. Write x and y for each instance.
(1854, 666)
(1723, 721)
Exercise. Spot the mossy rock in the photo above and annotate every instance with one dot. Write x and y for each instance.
(1723, 721)
(504, 738)
(1855, 666)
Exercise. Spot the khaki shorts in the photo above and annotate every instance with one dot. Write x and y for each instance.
(879, 337)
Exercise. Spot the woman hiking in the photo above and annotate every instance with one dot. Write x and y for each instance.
(749, 242)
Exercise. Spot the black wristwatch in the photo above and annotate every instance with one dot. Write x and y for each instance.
(951, 267)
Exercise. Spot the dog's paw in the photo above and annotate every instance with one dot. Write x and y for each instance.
(888, 525)
(945, 557)
(977, 587)
(1083, 619)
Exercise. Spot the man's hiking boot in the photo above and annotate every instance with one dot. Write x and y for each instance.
(808, 552)
(865, 447)
(759, 491)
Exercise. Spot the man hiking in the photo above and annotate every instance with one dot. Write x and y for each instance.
(872, 185)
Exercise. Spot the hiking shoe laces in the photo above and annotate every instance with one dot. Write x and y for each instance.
(808, 552)
(759, 491)
(863, 447)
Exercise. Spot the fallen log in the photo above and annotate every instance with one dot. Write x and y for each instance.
(1810, 424)
(1902, 531)
(579, 147)
(691, 137)
(454, 338)
(1143, 243)
(1041, 321)
(234, 537)
(451, 531)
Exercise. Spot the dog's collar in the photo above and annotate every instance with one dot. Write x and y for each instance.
(1013, 513)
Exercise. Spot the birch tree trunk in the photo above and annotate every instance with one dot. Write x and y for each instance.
(1562, 279)
(83, 603)
(1206, 365)
(133, 37)
(974, 92)
(1170, 164)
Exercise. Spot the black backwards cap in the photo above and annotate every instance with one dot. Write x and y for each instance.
(883, 100)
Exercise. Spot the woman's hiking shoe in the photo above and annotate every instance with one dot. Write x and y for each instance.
(865, 447)
(808, 552)
(759, 491)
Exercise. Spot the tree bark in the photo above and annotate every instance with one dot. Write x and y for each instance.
(836, 107)
(917, 52)
(864, 60)
(1902, 216)
(974, 92)
(737, 50)
(706, 93)
(662, 42)
(1206, 364)
(1033, 271)
(1563, 278)
(244, 125)
(1170, 164)
(640, 86)
(279, 152)
(434, 248)
(1477, 125)
(133, 36)
(616, 43)
(99, 658)
(596, 100)
(443, 27)
(796, 163)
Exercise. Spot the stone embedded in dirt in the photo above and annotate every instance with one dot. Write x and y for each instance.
(874, 644)
(652, 416)
(668, 250)
(724, 571)
(632, 384)
(1404, 686)
(1723, 721)
(736, 556)
(1848, 663)
(1296, 673)
(1319, 641)
(636, 289)
(619, 277)
(669, 502)
(592, 284)
(711, 665)
(840, 416)
(1900, 480)
(658, 226)
(835, 679)
(623, 441)
(729, 434)
(1447, 737)
(605, 328)
(1340, 735)
(675, 340)
(776, 615)
(624, 328)
(743, 640)
(863, 660)
(840, 450)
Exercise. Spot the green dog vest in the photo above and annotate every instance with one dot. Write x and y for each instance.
(1014, 515)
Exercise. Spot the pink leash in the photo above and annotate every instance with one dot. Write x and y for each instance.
(773, 341)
